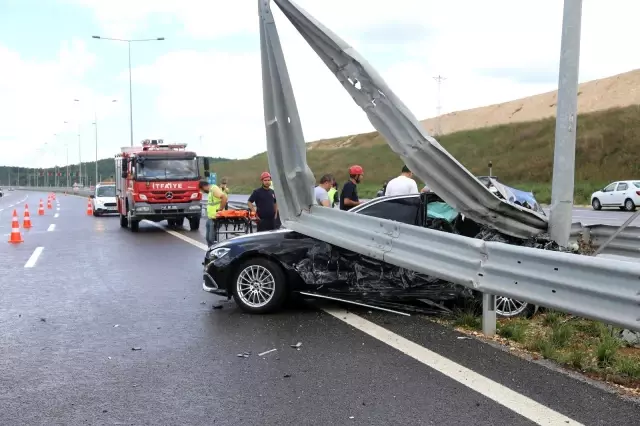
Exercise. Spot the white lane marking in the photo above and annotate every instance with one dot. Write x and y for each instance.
(184, 238)
(58, 208)
(526, 407)
(56, 215)
(51, 227)
(34, 257)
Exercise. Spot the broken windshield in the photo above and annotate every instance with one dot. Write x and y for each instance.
(169, 169)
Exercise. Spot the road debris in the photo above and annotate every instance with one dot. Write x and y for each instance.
(217, 307)
(116, 326)
(136, 348)
(297, 345)
(266, 352)
(244, 355)
(286, 376)
(43, 319)
(464, 338)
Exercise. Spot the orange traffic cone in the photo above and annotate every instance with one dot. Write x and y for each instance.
(26, 224)
(15, 236)
(41, 209)
(89, 208)
(49, 206)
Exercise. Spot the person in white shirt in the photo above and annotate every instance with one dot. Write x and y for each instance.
(321, 193)
(402, 184)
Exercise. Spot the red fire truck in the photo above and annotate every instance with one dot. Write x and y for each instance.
(157, 182)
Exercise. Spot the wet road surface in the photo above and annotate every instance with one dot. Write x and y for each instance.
(109, 327)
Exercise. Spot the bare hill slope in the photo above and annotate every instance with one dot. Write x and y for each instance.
(617, 91)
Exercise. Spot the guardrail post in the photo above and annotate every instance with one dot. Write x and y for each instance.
(488, 314)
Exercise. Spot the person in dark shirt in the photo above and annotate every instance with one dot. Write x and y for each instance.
(263, 203)
(349, 195)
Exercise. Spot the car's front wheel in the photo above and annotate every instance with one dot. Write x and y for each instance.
(595, 203)
(259, 286)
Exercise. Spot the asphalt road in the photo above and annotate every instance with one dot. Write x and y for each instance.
(79, 296)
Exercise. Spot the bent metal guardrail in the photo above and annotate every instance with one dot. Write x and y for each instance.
(602, 289)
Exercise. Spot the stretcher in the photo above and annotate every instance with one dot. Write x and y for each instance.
(232, 223)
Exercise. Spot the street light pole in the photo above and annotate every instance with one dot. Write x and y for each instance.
(564, 154)
(130, 96)
(95, 123)
(129, 41)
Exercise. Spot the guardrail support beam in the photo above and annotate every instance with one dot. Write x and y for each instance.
(489, 314)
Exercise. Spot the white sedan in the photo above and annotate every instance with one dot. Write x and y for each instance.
(624, 194)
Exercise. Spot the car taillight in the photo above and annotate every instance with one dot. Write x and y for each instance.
(638, 192)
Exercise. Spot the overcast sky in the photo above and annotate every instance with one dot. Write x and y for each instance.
(202, 85)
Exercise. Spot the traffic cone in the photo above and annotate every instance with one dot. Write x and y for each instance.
(89, 208)
(41, 209)
(49, 206)
(15, 236)
(26, 224)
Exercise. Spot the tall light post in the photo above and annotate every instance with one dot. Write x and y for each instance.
(129, 41)
(95, 123)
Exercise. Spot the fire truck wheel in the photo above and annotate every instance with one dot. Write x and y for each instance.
(194, 223)
(135, 225)
(259, 286)
(123, 221)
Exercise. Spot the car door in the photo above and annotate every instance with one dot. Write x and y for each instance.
(608, 195)
(620, 193)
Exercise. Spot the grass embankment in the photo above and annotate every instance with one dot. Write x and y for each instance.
(608, 144)
(586, 346)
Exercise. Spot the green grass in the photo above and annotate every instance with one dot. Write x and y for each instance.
(607, 147)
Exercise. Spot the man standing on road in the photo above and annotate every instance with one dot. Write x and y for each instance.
(224, 187)
(263, 203)
(321, 193)
(349, 195)
(402, 184)
(216, 200)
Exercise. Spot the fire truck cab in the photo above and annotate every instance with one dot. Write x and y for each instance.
(157, 182)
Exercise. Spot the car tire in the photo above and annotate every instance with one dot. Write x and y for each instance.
(595, 203)
(273, 286)
(629, 205)
(507, 307)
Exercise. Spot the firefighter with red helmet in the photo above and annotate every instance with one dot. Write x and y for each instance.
(263, 203)
(349, 195)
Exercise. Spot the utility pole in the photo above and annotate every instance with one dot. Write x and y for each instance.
(439, 79)
(129, 41)
(67, 146)
(95, 123)
(564, 154)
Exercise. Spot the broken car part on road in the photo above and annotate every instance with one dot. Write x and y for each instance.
(601, 289)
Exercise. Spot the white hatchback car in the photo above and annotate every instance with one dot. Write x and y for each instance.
(624, 194)
(104, 199)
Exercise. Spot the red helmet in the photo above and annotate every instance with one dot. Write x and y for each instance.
(265, 175)
(356, 170)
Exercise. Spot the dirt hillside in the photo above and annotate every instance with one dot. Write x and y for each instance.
(617, 91)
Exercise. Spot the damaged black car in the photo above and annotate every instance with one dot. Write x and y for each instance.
(262, 270)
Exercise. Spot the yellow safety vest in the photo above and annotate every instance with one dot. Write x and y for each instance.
(332, 193)
(213, 203)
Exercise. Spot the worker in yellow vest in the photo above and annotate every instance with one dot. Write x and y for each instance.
(333, 192)
(216, 200)
(225, 188)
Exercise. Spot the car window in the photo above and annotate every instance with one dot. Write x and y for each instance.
(636, 184)
(622, 187)
(403, 210)
(610, 187)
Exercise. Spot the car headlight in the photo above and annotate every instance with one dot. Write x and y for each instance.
(194, 196)
(217, 253)
(142, 197)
